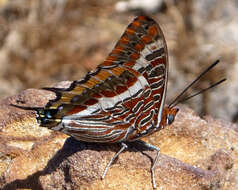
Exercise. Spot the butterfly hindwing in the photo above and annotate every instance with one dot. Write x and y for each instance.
(123, 98)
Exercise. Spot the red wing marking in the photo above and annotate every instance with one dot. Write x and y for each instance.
(129, 64)
(153, 31)
(130, 31)
(139, 47)
(108, 93)
(77, 109)
(131, 82)
(135, 56)
(120, 89)
(146, 39)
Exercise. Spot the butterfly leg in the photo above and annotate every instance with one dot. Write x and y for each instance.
(152, 147)
(123, 147)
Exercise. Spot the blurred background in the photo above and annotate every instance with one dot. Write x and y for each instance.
(44, 42)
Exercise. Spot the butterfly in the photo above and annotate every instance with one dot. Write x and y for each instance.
(122, 100)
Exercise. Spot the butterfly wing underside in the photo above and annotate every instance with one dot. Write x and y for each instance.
(123, 99)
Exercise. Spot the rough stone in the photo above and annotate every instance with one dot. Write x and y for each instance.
(196, 153)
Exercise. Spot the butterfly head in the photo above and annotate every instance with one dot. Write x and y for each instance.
(169, 114)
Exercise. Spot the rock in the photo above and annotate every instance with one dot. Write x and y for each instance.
(197, 33)
(195, 153)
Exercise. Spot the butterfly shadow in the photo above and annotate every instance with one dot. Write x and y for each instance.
(71, 147)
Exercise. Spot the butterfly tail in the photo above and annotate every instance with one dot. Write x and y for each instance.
(45, 117)
(26, 107)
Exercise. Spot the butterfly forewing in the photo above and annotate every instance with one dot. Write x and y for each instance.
(123, 99)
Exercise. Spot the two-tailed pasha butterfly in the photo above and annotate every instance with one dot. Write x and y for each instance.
(124, 98)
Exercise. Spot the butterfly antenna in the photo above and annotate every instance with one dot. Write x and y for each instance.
(200, 92)
(193, 82)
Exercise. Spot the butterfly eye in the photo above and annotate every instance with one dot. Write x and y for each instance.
(170, 119)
